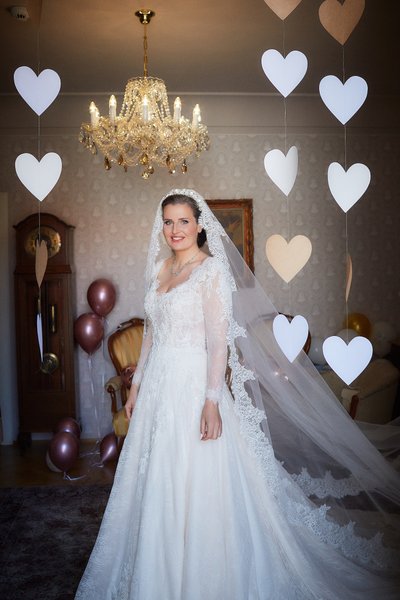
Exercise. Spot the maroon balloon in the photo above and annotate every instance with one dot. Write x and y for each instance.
(101, 296)
(64, 450)
(108, 448)
(68, 424)
(89, 331)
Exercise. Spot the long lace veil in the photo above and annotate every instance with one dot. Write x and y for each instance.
(327, 474)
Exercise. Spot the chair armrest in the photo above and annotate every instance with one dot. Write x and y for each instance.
(114, 383)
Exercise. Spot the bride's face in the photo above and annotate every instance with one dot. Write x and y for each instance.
(180, 227)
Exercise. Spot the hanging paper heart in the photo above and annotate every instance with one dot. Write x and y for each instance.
(41, 258)
(348, 186)
(343, 100)
(340, 19)
(285, 73)
(288, 258)
(282, 8)
(282, 169)
(37, 91)
(348, 361)
(290, 335)
(349, 276)
(39, 177)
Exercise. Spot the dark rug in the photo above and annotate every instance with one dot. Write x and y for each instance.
(46, 536)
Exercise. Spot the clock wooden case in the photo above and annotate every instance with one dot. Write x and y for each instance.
(46, 388)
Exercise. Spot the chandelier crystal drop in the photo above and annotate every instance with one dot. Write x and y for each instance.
(145, 133)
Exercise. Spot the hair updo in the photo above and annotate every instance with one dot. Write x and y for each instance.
(180, 199)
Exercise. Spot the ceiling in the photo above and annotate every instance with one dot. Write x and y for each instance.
(211, 46)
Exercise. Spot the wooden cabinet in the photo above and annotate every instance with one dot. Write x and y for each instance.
(46, 388)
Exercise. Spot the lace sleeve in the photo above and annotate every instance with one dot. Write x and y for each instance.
(144, 353)
(216, 307)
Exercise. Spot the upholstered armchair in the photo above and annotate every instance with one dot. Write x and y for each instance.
(124, 347)
(371, 397)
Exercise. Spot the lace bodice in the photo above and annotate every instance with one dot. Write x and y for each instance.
(193, 315)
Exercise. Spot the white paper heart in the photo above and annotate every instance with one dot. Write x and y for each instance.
(288, 258)
(285, 73)
(291, 336)
(37, 91)
(348, 186)
(39, 177)
(282, 169)
(348, 361)
(343, 100)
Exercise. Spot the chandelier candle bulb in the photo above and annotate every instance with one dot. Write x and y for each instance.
(112, 105)
(94, 114)
(177, 110)
(196, 116)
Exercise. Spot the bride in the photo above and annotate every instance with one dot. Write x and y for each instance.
(241, 483)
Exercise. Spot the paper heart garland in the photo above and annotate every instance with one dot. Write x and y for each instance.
(39, 177)
(37, 91)
(41, 258)
(282, 8)
(343, 100)
(347, 187)
(291, 336)
(285, 73)
(348, 361)
(339, 19)
(282, 169)
(288, 258)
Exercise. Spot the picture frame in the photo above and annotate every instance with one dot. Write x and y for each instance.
(236, 217)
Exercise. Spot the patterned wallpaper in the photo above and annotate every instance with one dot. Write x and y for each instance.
(113, 212)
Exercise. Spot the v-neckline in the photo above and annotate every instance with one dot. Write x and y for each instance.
(182, 282)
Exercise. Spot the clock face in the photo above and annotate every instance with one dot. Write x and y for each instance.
(49, 235)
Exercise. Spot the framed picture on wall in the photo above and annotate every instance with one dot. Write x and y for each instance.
(236, 217)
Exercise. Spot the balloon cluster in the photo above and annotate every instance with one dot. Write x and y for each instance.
(63, 450)
(89, 328)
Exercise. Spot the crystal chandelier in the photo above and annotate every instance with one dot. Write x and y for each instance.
(144, 133)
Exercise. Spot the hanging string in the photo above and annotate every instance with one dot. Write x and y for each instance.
(347, 256)
(286, 150)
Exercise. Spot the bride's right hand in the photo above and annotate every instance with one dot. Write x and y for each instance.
(130, 403)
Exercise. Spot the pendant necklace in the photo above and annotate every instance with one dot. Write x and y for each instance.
(179, 271)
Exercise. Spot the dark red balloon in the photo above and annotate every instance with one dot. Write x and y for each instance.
(101, 296)
(89, 331)
(64, 450)
(68, 424)
(108, 448)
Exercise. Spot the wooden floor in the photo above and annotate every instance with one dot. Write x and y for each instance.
(30, 469)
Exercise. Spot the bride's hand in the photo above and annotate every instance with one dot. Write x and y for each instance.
(130, 403)
(210, 422)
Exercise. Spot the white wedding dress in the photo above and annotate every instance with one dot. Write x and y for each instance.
(211, 520)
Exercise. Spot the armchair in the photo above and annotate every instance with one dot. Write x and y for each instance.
(124, 347)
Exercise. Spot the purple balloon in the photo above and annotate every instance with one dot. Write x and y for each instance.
(89, 331)
(101, 296)
(108, 448)
(68, 424)
(64, 450)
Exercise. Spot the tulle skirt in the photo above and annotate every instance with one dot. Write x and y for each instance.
(195, 520)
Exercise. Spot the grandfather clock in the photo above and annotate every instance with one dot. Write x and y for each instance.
(46, 388)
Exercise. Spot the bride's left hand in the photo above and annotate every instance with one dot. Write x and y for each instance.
(210, 422)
